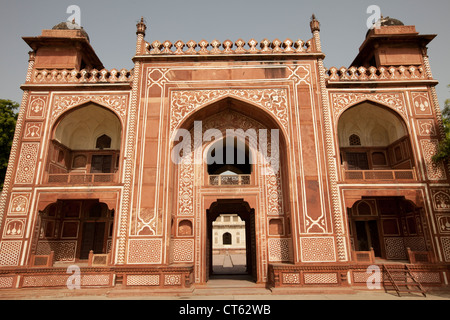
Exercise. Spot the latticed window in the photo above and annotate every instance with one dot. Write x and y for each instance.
(103, 142)
(354, 140)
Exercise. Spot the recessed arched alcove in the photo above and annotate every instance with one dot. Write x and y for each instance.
(387, 226)
(80, 128)
(85, 140)
(198, 183)
(71, 228)
(374, 137)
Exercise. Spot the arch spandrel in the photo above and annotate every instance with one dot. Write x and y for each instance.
(368, 121)
(185, 103)
(415, 197)
(340, 102)
(118, 104)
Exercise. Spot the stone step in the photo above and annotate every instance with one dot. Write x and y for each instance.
(223, 291)
(312, 290)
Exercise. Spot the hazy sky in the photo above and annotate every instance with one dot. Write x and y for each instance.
(111, 26)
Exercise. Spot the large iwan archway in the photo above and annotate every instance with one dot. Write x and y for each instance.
(203, 189)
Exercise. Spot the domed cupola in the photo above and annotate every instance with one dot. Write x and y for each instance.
(388, 21)
(65, 46)
(67, 25)
(392, 43)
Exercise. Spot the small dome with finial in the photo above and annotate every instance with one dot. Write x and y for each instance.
(67, 25)
(388, 21)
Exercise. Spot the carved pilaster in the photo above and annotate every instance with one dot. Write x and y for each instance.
(129, 167)
(332, 170)
(13, 156)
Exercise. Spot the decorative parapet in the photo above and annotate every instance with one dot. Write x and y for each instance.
(376, 74)
(228, 47)
(84, 76)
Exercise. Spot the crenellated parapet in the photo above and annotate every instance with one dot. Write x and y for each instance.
(83, 76)
(216, 47)
(376, 74)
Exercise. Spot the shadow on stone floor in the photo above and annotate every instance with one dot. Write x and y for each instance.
(229, 264)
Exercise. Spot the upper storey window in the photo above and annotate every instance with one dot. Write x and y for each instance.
(226, 157)
(354, 140)
(103, 142)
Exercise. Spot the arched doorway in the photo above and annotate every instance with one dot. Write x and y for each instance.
(231, 208)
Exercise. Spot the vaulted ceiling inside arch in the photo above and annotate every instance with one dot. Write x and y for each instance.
(80, 129)
(374, 125)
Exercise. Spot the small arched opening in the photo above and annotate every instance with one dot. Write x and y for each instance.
(227, 239)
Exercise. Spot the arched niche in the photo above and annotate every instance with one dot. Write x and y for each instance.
(371, 136)
(229, 157)
(185, 228)
(80, 128)
(389, 225)
(86, 139)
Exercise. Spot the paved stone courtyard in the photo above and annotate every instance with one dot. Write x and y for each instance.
(229, 264)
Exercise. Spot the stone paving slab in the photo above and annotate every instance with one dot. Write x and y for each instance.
(229, 264)
(211, 293)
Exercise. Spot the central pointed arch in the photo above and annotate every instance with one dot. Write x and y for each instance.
(194, 191)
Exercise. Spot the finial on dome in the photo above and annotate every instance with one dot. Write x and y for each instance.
(314, 24)
(141, 27)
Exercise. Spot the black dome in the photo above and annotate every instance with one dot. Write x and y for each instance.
(388, 21)
(67, 25)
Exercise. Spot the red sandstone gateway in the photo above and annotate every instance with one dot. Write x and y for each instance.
(91, 181)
